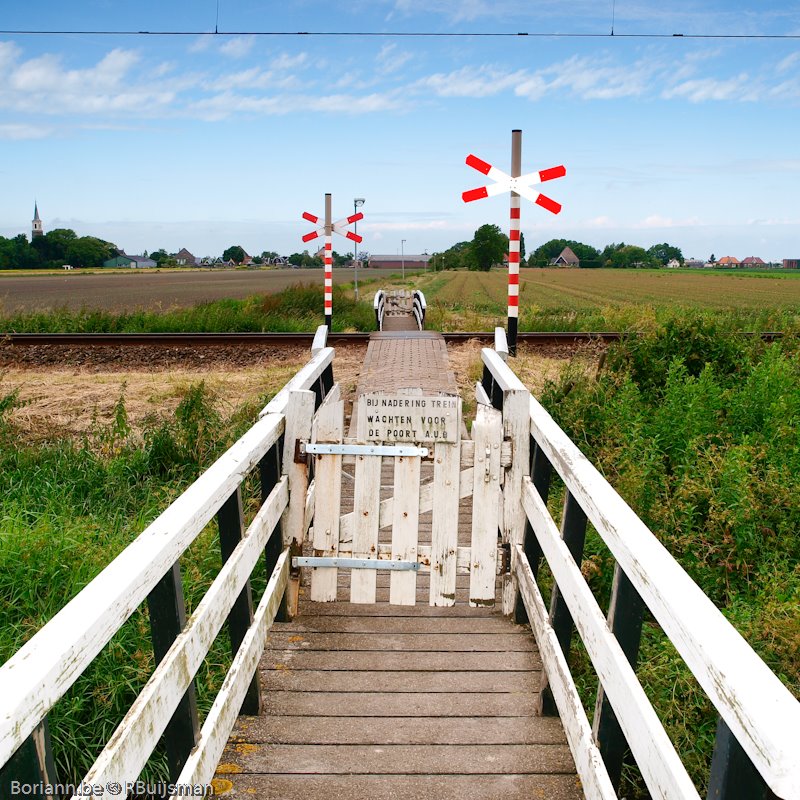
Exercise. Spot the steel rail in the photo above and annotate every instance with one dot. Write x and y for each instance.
(284, 339)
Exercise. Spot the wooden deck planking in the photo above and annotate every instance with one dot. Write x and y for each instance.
(404, 702)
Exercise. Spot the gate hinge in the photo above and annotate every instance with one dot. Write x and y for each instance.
(505, 558)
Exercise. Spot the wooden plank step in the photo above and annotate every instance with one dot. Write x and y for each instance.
(405, 787)
(399, 759)
(401, 625)
(369, 681)
(398, 704)
(399, 730)
(428, 642)
(400, 661)
(462, 610)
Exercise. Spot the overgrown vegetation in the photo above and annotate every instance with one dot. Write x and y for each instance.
(297, 308)
(699, 431)
(67, 508)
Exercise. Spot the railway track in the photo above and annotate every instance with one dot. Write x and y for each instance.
(273, 339)
(284, 339)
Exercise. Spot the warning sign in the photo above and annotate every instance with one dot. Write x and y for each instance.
(409, 418)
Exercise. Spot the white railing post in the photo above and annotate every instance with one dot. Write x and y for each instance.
(299, 417)
(501, 343)
(320, 340)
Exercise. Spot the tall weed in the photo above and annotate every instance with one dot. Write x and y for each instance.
(699, 430)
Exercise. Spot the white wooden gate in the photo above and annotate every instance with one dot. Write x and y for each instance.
(383, 533)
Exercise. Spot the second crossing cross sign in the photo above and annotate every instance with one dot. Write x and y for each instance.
(327, 229)
(518, 185)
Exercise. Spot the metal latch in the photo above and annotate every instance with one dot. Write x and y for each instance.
(362, 450)
(354, 563)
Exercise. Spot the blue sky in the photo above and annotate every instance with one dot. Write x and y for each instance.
(203, 141)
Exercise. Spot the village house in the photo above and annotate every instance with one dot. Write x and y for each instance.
(133, 262)
(411, 261)
(183, 258)
(566, 258)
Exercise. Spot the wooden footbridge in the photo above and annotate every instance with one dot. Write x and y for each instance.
(402, 647)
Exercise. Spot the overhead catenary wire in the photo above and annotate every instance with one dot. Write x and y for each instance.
(406, 34)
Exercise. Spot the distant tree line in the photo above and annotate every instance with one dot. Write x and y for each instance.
(56, 248)
(489, 246)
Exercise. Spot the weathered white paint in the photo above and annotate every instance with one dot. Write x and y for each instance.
(487, 434)
(328, 428)
(308, 517)
(366, 503)
(202, 762)
(588, 762)
(661, 768)
(501, 343)
(320, 341)
(39, 674)
(444, 524)
(299, 418)
(386, 508)
(516, 428)
(304, 379)
(405, 528)
(480, 395)
(137, 735)
(759, 710)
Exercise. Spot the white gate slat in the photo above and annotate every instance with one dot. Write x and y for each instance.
(661, 768)
(328, 428)
(444, 523)
(134, 739)
(487, 433)
(363, 582)
(202, 762)
(588, 762)
(386, 509)
(405, 529)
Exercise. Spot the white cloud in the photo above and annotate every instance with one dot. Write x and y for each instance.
(285, 62)
(788, 63)
(202, 43)
(228, 104)
(238, 46)
(22, 131)
(482, 81)
(390, 59)
(740, 87)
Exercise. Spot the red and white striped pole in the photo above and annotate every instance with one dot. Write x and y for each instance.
(328, 262)
(327, 229)
(513, 245)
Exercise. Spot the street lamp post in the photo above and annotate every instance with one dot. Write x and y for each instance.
(403, 257)
(357, 203)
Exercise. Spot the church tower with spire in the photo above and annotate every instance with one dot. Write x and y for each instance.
(36, 228)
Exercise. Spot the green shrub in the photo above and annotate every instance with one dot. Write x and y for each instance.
(699, 430)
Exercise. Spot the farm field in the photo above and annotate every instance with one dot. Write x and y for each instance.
(552, 299)
(150, 290)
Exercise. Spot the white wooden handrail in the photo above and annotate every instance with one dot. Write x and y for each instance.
(137, 735)
(760, 711)
(41, 671)
(304, 379)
